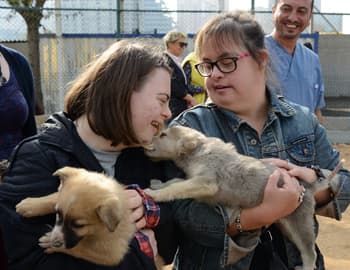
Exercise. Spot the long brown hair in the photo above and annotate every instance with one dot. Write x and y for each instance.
(103, 90)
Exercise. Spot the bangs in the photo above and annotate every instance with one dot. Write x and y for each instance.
(221, 37)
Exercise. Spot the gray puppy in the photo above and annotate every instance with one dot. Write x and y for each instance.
(217, 173)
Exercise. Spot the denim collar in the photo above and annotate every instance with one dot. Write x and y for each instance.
(278, 105)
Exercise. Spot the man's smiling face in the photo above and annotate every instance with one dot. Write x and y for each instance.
(291, 17)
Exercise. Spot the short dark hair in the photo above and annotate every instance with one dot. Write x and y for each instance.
(312, 4)
(103, 90)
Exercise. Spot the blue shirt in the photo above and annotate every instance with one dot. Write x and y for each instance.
(299, 74)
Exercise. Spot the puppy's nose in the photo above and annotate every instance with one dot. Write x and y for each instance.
(57, 242)
(57, 237)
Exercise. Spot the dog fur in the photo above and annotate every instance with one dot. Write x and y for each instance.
(92, 221)
(217, 173)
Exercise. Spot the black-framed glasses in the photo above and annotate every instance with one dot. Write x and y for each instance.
(225, 65)
(183, 44)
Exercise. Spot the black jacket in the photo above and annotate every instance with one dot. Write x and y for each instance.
(30, 175)
(179, 88)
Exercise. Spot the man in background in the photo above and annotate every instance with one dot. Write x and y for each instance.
(298, 68)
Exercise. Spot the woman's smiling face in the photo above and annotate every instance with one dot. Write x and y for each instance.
(150, 105)
(237, 89)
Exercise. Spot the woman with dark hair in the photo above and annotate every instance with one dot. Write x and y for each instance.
(113, 108)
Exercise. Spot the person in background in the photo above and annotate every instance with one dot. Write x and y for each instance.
(17, 102)
(116, 105)
(297, 68)
(195, 81)
(16, 108)
(248, 113)
(180, 99)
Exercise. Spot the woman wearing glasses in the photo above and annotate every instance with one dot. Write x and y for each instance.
(234, 61)
(180, 99)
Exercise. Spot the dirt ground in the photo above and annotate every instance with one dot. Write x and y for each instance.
(334, 236)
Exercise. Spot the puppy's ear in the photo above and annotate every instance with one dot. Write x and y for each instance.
(109, 213)
(65, 173)
(187, 144)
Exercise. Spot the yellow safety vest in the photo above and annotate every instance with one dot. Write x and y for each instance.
(196, 78)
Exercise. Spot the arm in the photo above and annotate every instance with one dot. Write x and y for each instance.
(320, 103)
(278, 202)
(306, 174)
(331, 201)
(165, 232)
(318, 113)
(328, 158)
(190, 100)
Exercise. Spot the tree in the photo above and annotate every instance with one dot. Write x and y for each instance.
(32, 13)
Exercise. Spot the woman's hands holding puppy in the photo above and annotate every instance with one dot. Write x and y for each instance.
(304, 173)
(137, 216)
(281, 200)
(137, 208)
(278, 201)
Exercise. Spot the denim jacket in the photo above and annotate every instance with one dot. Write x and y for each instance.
(290, 132)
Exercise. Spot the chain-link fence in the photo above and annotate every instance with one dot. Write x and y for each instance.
(70, 35)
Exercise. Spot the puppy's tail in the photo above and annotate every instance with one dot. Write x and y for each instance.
(324, 183)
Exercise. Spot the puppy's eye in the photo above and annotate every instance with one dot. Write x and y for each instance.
(77, 225)
(163, 134)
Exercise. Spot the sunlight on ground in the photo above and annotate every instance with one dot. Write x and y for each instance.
(334, 236)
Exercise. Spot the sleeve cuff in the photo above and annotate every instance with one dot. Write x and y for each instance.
(331, 209)
(240, 245)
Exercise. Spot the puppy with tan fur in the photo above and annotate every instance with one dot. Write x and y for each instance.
(217, 173)
(92, 221)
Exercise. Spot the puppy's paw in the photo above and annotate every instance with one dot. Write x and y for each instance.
(156, 184)
(151, 193)
(45, 240)
(28, 207)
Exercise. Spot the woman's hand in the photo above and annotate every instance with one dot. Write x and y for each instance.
(278, 201)
(281, 201)
(306, 174)
(322, 197)
(191, 101)
(152, 240)
(137, 208)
